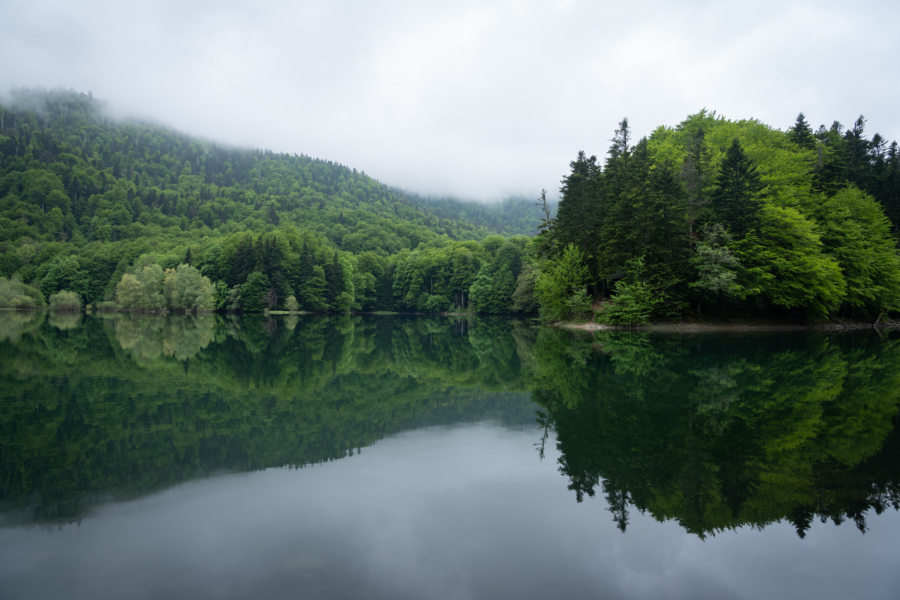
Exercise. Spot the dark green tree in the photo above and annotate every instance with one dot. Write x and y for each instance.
(801, 133)
(736, 199)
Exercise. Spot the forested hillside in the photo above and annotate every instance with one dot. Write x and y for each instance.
(85, 199)
(114, 180)
(512, 216)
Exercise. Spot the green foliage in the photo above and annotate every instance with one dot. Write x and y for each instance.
(786, 265)
(185, 289)
(255, 293)
(83, 197)
(716, 266)
(560, 286)
(65, 301)
(291, 304)
(182, 289)
(856, 233)
(780, 237)
(736, 198)
(15, 294)
(634, 299)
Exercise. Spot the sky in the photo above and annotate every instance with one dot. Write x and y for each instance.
(477, 99)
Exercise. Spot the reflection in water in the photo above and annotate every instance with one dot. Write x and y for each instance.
(181, 336)
(711, 431)
(128, 404)
(64, 319)
(14, 323)
(716, 432)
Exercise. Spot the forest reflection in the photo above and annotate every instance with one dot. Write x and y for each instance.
(713, 431)
(721, 431)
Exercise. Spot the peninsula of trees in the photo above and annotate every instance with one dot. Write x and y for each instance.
(712, 217)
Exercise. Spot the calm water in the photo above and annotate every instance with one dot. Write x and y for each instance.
(149, 457)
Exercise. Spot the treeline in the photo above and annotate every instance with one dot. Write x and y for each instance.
(718, 217)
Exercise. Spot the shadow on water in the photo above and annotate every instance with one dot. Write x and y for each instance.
(712, 431)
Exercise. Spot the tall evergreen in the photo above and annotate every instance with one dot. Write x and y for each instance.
(801, 133)
(695, 173)
(580, 208)
(736, 199)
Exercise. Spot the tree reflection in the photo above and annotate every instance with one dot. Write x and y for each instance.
(725, 431)
(713, 431)
(147, 337)
(126, 404)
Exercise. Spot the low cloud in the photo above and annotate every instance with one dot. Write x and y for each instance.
(474, 99)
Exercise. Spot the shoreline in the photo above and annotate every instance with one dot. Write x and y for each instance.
(736, 327)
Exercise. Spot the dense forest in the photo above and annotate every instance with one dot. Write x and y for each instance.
(719, 217)
(85, 200)
(716, 218)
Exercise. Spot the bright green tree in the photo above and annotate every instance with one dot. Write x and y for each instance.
(561, 286)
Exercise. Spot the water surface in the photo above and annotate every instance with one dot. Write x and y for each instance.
(215, 457)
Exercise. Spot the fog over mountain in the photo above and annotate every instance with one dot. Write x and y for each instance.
(479, 100)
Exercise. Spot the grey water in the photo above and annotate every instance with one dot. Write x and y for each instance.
(389, 457)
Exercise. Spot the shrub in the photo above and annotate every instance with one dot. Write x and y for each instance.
(634, 300)
(15, 294)
(65, 301)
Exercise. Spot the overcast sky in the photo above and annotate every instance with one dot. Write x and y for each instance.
(472, 98)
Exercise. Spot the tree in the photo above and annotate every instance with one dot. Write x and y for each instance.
(801, 133)
(856, 232)
(253, 292)
(15, 294)
(786, 265)
(695, 173)
(634, 299)
(579, 214)
(290, 304)
(736, 198)
(561, 286)
(65, 301)
(717, 268)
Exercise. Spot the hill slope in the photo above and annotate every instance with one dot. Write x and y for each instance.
(119, 180)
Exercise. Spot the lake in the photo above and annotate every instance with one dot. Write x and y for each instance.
(399, 457)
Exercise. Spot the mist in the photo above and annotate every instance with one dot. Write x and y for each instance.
(467, 99)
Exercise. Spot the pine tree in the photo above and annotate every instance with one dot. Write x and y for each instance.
(578, 214)
(695, 173)
(801, 133)
(736, 199)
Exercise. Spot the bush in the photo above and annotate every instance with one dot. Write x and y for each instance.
(634, 300)
(65, 301)
(15, 294)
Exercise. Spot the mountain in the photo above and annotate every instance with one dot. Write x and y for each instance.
(121, 180)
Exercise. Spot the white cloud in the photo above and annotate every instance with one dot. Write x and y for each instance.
(478, 99)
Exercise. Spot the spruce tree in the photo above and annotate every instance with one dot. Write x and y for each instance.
(801, 133)
(736, 199)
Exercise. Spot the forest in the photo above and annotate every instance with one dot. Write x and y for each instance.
(711, 218)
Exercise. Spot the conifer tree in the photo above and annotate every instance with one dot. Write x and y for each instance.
(736, 199)
(801, 133)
